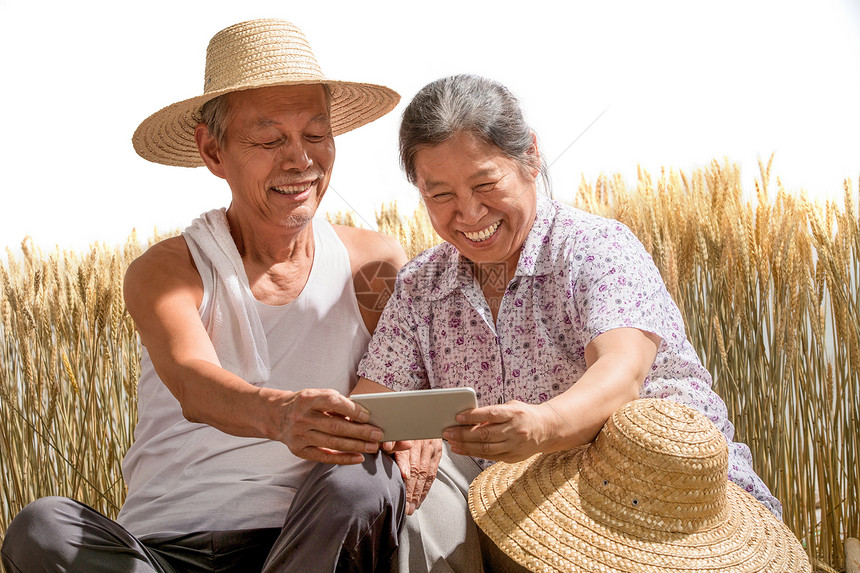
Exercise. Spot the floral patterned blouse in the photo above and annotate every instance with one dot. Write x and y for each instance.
(578, 276)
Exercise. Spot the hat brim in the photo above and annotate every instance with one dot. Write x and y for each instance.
(167, 136)
(533, 511)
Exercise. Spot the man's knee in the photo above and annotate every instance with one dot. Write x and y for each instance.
(37, 518)
(344, 515)
(35, 528)
(362, 488)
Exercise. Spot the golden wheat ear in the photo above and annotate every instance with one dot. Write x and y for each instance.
(769, 287)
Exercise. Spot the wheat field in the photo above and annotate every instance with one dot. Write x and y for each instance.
(767, 281)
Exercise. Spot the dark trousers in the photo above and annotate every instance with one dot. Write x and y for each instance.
(342, 519)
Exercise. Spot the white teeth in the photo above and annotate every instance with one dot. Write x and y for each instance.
(483, 235)
(292, 189)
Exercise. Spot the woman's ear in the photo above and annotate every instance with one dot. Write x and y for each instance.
(534, 154)
(210, 151)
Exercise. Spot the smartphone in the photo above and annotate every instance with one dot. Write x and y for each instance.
(416, 414)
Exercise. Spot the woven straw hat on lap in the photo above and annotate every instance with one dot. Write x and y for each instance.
(255, 54)
(650, 494)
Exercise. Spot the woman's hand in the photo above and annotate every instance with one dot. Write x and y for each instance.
(508, 432)
(418, 466)
(618, 362)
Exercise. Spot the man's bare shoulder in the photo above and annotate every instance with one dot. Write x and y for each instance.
(375, 259)
(365, 246)
(166, 265)
(169, 255)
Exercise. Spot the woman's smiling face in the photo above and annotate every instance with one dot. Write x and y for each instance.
(478, 199)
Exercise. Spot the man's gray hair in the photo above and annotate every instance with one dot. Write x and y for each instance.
(215, 113)
(467, 104)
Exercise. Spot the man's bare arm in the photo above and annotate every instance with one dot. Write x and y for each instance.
(163, 292)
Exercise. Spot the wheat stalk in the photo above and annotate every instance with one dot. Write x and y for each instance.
(769, 289)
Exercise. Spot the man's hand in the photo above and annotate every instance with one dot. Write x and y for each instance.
(418, 466)
(322, 425)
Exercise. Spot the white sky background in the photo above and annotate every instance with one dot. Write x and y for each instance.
(685, 82)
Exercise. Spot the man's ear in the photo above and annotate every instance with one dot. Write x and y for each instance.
(210, 152)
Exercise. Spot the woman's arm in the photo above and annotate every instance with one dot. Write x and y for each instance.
(618, 362)
(365, 386)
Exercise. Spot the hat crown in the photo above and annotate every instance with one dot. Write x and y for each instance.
(657, 466)
(649, 495)
(258, 52)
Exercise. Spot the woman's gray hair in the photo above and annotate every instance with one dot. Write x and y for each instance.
(467, 104)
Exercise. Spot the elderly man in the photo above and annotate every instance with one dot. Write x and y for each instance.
(251, 330)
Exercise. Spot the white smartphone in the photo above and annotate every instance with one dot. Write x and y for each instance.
(416, 414)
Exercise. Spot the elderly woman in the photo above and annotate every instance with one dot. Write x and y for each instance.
(554, 316)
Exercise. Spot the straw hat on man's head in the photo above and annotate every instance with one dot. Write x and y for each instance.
(650, 494)
(255, 54)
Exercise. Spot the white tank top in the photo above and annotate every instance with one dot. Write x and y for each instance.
(184, 477)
